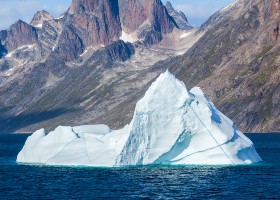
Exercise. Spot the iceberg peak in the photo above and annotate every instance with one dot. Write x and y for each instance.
(167, 76)
(166, 91)
(171, 125)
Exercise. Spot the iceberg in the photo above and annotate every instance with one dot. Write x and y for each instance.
(171, 126)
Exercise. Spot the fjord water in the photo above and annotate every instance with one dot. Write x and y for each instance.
(260, 181)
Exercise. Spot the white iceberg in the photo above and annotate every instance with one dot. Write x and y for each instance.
(171, 126)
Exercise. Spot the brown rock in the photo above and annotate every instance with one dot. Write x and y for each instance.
(275, 6)
(96, 22)
(19, 34)
(143, 15)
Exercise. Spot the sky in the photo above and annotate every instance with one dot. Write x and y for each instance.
(197, 11)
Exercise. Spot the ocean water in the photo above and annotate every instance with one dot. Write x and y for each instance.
(260, 181)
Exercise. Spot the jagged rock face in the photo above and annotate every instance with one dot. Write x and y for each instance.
(40, 17)
(49, 36)
(120, 51)
(100, 22)
(70, 45)
(132, 14)
(86, 24)
(145, 16)
(96, 22)
(90, 23)
(152, 37)
(179, 17)
(160, 19)
(19, 34)
(90, 6)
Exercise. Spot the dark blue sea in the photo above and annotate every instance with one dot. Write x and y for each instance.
(261, 181)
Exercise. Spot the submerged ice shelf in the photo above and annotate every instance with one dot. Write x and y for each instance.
(171, 126)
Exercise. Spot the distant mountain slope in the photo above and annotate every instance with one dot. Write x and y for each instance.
(76, 68)
(179, 17)
(237, 62)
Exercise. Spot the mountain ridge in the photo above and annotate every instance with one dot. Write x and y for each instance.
(90, 24)
(233, 57)
(239, 66)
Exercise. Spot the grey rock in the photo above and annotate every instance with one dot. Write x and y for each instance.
(19, 34)
(40, 17)
(179, 17)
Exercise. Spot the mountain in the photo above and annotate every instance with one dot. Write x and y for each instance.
(90, 24)
(83, 63)
(74, 77)
(179, 17)
(171, 126)
(236, 62)
(19, 34)
(40, 17)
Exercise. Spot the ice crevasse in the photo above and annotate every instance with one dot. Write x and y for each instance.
(170, 126)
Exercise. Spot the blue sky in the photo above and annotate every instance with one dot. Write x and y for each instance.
(197, 11)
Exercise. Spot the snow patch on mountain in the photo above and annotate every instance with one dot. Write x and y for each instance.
(171, 125)
(39, 25)
(184, 35)
(127, 37)
(22, 48)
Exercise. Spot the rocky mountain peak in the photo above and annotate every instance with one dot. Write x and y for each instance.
(92, 23)
(148, 19)
(92, 6)
(168, 5)
(40, 17)
(179, 17)
(96, 21)
(19, 34)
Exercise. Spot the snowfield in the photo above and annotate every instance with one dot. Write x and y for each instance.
(171, 126)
